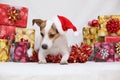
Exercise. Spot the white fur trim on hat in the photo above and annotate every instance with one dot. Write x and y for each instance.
(76, 33)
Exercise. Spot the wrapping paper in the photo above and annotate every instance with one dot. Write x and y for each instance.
(117, 54)
(115, 39)
(90, 35)
(13, 15)
(109, 25)
(4, 50)
(7, 32)
(28, 34)
(104, 52)
(20, 51)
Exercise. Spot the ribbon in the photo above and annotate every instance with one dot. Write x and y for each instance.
(13, 14)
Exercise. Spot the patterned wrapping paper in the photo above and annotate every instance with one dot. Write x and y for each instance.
(109, 25)
(4, 50)
(117, 54)
(90, 35)
(20, 52)
(13, 15)
(7, 32)
(104, 52)
(28, 34)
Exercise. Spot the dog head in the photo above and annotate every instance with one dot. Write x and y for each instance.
(48, 31)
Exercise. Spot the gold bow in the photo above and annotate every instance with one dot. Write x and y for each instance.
(13, 14)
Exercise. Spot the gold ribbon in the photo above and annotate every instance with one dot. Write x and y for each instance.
(13, 15)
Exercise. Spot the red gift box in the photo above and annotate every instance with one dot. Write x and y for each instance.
(7, 32)
(13, 15)
(112, 39)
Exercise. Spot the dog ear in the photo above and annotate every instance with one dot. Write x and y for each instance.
(37, 21)
(54, 27)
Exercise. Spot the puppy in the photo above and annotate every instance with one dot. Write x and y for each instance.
(54, 40)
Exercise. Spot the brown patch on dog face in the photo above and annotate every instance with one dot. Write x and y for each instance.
(42, 32)
(53, 33)
(41, 23)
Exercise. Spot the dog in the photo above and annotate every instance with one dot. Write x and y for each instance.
(53, 41)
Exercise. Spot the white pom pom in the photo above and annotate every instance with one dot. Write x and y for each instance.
(29, 52)
(76, 33)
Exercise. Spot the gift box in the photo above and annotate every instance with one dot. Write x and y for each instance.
(20, 51)
(117, 54)
(4, 50)
(115, 39)
(109, 25)
(27, 34)
(104, 52)
(7, 32)
(90, 35)
(13, 15)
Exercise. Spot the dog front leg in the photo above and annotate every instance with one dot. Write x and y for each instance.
(41, 57)
(65, 57)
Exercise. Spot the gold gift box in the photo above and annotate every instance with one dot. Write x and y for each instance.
(103, 19)
(4, 50)
(27, 34)
(90, 35)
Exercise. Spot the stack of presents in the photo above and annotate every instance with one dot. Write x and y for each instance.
(15, 38)
(101, 38)
(104, 37)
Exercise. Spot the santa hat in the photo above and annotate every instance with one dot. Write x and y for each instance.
(63, 24)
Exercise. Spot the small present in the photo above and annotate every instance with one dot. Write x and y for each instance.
(13, 15)
(109, 25)
(20, 51)
(117, 54)
(7, 32)
(90, 35)
(115, 39)
(104, 52)
(4, 50)
(28, 34)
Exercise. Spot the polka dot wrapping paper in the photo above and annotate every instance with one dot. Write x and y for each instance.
(7, 32)
(13, 15)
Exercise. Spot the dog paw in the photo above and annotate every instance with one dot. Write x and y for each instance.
(63, 62)
(42, 62)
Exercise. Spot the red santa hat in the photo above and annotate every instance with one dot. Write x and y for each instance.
(63, 24)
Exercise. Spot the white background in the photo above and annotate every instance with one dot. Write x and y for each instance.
(78, 11)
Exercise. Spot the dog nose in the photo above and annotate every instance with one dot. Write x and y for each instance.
(44, 46)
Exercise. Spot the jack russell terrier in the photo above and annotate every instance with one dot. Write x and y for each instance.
(53, 37)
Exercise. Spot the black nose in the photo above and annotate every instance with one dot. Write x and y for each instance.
(44, 46)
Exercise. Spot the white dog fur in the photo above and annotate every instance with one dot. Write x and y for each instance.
(60, 45)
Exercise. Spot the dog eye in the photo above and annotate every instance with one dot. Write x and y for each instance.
(42, 34)
(51, 35)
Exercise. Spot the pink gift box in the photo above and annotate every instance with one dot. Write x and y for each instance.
(20, 52)
(13, 15)
(104, 52)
